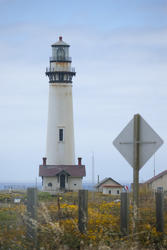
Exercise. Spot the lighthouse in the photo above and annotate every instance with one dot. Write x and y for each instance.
(60, 130)
(58, 170)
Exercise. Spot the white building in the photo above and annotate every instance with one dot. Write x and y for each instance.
(59, 170)
(158, 182)
(109, 186)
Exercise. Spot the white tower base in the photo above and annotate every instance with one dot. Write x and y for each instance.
(60, 151)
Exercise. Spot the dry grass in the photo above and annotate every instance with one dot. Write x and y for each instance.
(57, 225)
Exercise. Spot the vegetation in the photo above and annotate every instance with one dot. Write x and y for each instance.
(56, 227)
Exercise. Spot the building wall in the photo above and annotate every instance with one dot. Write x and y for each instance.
(60, 116)
(108, 182)
(114, 191)
(75, 183)
(53, 180)
(160, 182)
(70, 183)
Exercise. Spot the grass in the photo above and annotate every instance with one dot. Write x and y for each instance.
(57, 224)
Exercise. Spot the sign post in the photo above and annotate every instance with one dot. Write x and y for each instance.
(136, 158)
(137, 143)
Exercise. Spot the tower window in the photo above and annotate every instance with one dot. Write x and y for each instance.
(61, 134)
(49, 184)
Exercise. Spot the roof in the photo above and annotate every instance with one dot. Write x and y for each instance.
(106, 179)
(53, 170)
(156, 177)
(112, 186)
(60, 43)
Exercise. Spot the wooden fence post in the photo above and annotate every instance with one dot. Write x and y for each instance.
(32, 215)
(82, 210)
(159, 211)
(124, 213)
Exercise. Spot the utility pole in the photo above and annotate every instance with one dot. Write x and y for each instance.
(93, 175)
(93, 169)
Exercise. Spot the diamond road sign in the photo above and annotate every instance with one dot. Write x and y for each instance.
(149, 142)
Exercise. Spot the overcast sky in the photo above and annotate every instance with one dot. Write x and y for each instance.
(119, 51)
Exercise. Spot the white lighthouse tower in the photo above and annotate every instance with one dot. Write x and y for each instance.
(60, 131)
(59, 170)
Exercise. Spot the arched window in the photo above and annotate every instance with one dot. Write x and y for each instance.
(49, 184)
(60, 54)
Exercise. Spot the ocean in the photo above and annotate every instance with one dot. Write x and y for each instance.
(25, 185)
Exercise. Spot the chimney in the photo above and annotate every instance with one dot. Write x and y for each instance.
(79, 161)
(60, 38)
(44, 161)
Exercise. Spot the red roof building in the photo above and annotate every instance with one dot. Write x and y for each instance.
(109, 186)
(62, 177)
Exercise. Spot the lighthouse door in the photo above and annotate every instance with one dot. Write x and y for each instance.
(62, 181)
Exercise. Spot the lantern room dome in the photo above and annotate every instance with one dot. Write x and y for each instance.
(60, 43)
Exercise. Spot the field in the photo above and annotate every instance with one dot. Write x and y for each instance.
(57, 223)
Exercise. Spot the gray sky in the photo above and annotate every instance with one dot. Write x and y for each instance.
(119, 51)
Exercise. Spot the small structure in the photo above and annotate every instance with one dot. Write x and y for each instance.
(109, 186)
(158, 182)
(57, 178)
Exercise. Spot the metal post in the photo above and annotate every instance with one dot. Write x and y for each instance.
(82, 210)
(159, 211)
(32, 215)
(136, 155)
(98, 181)
(93, 179)
(124, 213)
